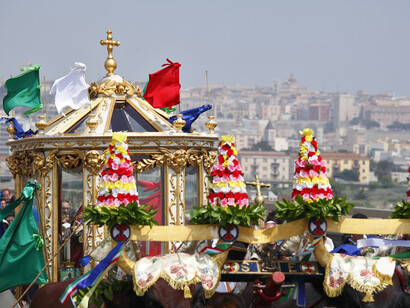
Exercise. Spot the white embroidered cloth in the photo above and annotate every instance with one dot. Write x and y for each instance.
(361, 273)
(179, 269)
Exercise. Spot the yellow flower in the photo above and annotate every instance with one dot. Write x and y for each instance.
(309, 138)
(118, 137)
(228, 138)
(304, 157)
(118, 184)
(303, 148)
(307, 132)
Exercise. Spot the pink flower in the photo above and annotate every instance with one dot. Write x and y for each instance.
(303, 174)
(124, 179)
(306, 197)
(110, 202)
(231, 167)
(114, 166)
(313, 173)
(224, 202)
(114, 177)
(313, 160)
(231, 201)
(216, 179)
(225, 179)
(105, 178)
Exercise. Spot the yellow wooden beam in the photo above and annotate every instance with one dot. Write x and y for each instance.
(209, 232)
(281, 232)
(369, 226)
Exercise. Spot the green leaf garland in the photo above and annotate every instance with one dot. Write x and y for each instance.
(321, 208)
(226, 215)
(132, 214)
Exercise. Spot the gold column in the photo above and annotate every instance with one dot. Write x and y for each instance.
(54, 224)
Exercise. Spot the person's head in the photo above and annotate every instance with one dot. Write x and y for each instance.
(6, 195)
(3, 203)
(360, 216)
(272, 220)
(65, 208)
(9, 218)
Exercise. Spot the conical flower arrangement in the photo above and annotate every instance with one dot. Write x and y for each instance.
(408, 188)
(310, 178)
(227, 184)
(117, 181)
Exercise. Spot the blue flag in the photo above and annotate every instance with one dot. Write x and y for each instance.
(190, 116)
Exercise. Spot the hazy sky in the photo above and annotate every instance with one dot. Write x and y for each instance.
(328, 45)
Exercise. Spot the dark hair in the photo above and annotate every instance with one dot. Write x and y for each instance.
(359, 215)
(272, 216)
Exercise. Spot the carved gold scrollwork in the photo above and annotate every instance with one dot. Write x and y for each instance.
(110, 87)
(12, 164)
(94, 161)
(176, 160)
(194, 158)
(93, 90)
(39, 161)
(69, 161)
(20, 163)
(147, 164)
(209, 159)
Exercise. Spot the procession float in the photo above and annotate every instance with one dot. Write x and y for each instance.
(157, 202)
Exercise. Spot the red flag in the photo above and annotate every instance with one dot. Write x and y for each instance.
(163, 86)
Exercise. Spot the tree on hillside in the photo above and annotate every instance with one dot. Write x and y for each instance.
(348, 175)
(383, 169)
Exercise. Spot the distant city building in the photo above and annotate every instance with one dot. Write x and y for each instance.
(273, 167)
(338, 162)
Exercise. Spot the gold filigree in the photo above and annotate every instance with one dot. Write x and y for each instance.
(49, 161)
(94, 161)
(47, 211)
(209, 159)
(147, 164)
(70, 161)
(39, 161)
(108, 88)
(131, 90)
(12, 164)
(194, 158)
(20, 164)
(93, 90)
(176, 160)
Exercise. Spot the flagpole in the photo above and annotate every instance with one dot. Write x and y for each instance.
(209, 95)
(45, 97)
(42, 231)
(47, 264)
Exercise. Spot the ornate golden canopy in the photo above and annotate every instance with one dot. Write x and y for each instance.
(72, 147)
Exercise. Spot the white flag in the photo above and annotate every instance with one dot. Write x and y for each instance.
(72, 89)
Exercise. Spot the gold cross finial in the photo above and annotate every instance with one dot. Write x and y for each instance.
(259, 198)
(110, 64)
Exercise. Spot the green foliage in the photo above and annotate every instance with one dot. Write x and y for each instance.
(323, 208)
(361, 195)
(401, 210)
(168, 110)
(105, 289)
(226, 215)
(348, 175)
(132, 214)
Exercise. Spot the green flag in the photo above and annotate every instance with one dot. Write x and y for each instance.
(24, 90)
(21, 252)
